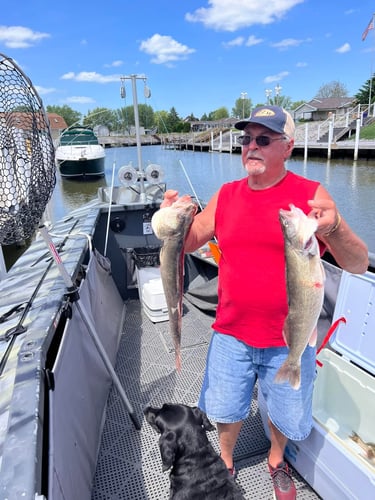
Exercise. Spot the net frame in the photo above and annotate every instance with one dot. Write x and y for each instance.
(27, 155)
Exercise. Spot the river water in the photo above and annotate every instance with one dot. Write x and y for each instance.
(352, 184)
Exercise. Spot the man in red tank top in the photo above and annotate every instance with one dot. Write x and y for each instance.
(247, 344)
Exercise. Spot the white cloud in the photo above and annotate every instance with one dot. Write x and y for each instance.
(19, 37)
(80, 100)
(236, 42)
(276, 78)
(90, 76)
(344, 48)
(253, 40)
(289, 42)
(164, 49)
(301, 64)
(43, 90)
(240, 40)
(114, 64)
(231, 15)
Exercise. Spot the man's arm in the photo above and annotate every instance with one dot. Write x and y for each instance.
(202, 228)
(349, 251)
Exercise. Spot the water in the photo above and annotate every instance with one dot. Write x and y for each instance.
(351, 184)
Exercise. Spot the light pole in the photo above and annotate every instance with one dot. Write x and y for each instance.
(278, 89)
(243, 97)
(268, 95)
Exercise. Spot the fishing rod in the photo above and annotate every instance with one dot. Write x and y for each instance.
(214, 246)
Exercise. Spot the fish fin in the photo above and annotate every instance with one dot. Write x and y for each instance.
(289, 372)
(286, 332)
(354, 436)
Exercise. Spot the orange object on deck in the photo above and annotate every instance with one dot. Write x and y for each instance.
(215, 250)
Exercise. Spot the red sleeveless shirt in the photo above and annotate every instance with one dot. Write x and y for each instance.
(252, 288)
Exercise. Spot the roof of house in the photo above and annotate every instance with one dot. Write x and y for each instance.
(56, 121)
(327, 103)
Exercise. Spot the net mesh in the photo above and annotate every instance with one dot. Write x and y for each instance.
(27, 156)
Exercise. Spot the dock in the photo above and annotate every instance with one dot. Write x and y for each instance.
(315, 149)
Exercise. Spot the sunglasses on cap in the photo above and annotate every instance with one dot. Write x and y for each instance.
(261, 140)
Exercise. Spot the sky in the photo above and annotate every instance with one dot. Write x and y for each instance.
(197, 55)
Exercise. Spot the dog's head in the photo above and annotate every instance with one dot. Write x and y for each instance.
(181, 428)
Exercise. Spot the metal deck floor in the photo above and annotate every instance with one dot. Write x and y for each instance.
(129, 465)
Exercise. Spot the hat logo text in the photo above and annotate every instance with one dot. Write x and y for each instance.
(265, 112)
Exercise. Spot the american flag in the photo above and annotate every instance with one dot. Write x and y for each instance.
(370, 26)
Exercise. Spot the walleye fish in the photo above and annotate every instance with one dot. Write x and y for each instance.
(305, 288)
(171, 225)
(368, 448)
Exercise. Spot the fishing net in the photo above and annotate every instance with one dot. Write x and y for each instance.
(27, 157)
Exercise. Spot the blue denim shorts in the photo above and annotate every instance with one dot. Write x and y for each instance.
(231, 372)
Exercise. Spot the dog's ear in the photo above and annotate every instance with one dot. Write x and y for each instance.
(168, 448)
(201, 419)
(151, 415)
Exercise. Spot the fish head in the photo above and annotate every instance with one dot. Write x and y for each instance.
(175, 220)
(185, 207)
(298, 229)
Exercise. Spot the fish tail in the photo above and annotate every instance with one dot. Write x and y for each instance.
(289, 372)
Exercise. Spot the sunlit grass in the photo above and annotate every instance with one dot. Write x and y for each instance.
(367, 132)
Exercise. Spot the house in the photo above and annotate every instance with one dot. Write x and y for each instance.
(57, 124)
(321, 108)
(24, 122)
(201, 126)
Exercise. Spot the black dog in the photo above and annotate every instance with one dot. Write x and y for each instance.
(197, 471)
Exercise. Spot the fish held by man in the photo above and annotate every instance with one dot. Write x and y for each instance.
(305, 289)
(171, 225)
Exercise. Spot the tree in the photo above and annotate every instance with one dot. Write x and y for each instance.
(70, 116)
(160, 120)
(332, 89)
(125, 119)
(283, 101)
(242, 108)
(366, 93)
(101, 116)
(192, 118)
(146, 116)
(220, 114)
(173, 120)
(295, 104)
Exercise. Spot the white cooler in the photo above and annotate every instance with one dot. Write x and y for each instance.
(151, 293)
(344, 401)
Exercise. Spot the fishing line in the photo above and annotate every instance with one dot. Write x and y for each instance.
(190, 184)
(214, 246)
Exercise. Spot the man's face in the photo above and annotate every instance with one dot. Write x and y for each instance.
(258, 159)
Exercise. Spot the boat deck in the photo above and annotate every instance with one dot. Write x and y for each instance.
(129, 464)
